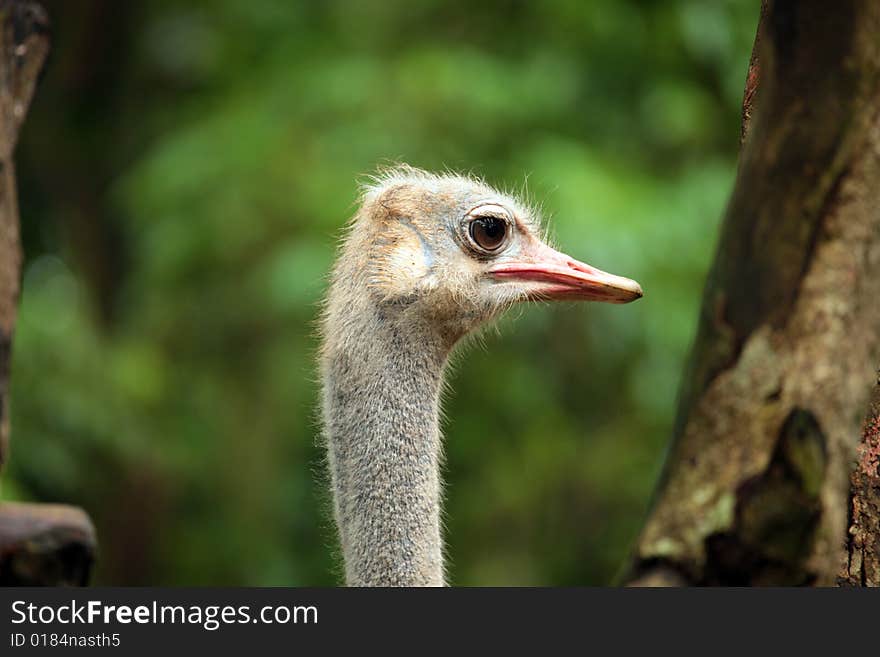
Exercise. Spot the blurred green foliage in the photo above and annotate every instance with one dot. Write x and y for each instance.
(184, 173)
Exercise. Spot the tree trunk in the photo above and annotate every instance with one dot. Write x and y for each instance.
(24, 44)
(757, 483)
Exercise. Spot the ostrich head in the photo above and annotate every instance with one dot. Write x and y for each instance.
(426, 260)
(453, 252)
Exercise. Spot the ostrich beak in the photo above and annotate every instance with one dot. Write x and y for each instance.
(561, 277)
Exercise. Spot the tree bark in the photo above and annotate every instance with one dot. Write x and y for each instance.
(863, 541)
(752, 77)
(756, 486)
(24, 45)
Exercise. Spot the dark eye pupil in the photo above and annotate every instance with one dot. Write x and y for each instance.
(488, 232)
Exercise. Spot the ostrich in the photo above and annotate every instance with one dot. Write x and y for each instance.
(425, 261)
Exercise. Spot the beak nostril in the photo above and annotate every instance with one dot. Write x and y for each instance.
(581, 267)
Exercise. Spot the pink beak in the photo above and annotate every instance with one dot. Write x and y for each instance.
(562, 277)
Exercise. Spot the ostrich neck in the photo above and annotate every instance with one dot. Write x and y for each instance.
(382, 387)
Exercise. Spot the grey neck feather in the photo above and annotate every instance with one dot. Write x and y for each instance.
(382, 386)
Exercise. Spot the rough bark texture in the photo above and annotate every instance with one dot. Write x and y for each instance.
(863, 544)
(756, 486)
(752, 77)
(24, 44)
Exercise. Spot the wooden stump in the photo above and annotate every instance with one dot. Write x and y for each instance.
(45, 545)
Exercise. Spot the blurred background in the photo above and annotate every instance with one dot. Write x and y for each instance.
(184, 173)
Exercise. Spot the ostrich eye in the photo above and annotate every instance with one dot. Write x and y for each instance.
(488, 233)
